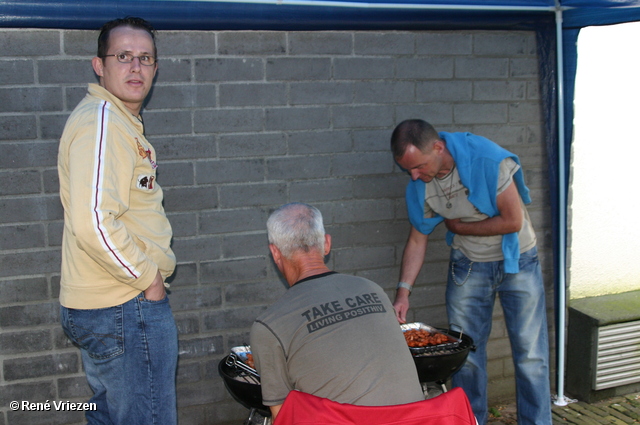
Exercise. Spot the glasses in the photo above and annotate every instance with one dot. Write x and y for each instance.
(128, 58)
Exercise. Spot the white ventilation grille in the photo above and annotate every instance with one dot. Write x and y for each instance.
(618, 351)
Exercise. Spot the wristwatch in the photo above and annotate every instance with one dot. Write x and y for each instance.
(405, 285)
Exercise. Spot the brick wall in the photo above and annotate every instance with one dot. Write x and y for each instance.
(243, 122)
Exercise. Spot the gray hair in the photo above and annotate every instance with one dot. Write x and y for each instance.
(296, 227)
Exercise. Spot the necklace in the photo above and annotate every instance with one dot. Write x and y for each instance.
(448, 205)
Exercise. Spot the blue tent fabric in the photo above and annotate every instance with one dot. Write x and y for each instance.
(272, 15)
(326, 14)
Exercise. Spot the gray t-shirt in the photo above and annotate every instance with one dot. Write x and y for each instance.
(448, 197)
(334, 336)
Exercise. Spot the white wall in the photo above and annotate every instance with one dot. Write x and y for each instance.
(605, 228)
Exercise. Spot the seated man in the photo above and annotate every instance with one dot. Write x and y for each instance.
(331, 335)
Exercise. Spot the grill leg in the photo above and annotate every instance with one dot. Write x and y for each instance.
(249, 420)
(433, 389)
(254, 416)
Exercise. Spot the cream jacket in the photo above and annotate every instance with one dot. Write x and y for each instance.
(116, 234)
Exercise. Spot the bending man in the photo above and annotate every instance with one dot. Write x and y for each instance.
(477, 189)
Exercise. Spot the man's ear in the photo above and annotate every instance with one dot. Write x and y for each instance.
(438, 146)
(276, 254)
(327, 244)
(98, 66)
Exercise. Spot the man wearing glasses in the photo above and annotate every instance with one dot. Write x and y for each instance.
(116, 246)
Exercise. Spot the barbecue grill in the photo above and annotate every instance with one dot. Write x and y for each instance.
(437, 363)
(434, 364)
(243, 383)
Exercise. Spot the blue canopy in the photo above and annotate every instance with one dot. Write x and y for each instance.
(316, 14)
(275, 14)
(556, 22)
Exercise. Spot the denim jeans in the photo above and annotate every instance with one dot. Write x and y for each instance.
(130, 354)
(471, 293)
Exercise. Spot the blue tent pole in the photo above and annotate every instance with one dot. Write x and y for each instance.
(560, 399)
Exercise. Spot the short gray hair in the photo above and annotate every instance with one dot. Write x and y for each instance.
(296, 227)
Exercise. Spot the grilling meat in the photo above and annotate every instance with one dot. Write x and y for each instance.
(249, 361)
(422, 338)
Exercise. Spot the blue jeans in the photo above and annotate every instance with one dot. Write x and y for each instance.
(130, 354)
(471, 293)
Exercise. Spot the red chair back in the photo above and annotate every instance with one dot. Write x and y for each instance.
(450, 408)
